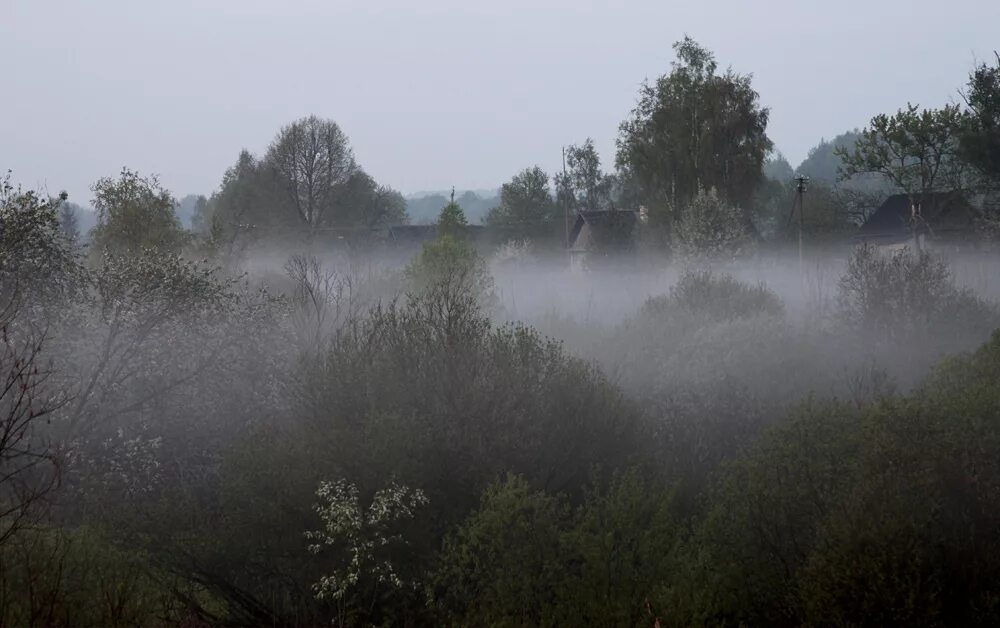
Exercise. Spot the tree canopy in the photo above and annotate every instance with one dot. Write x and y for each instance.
(694, 128)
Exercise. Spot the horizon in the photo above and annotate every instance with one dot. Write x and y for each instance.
(192, 85)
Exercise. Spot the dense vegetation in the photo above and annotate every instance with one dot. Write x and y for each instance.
(187, 437)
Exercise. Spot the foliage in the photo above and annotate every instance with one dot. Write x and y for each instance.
(451, 220)
(916, 151)
(716, 297)
(135, 213)
(777, 168)
(38, 267)
(980, 137)
(584, 186)
(69, 222)
(695, 129)
(712, 227)
(528, 558)
(78, 577)
(902, 296)
(526, 206)
(764, 517)
(451, 271)
(504, 564)
(362, 201)
(368, 541)
(310, 159)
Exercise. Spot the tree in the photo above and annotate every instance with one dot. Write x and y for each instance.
(28, 465)
(135, 213)
(777, 168)
(362, 202)
(979, 143)
(368, 543)
(449, 270)
(311, 159)
(69, 223)
(916, 151)
(452, 220)
(980, 140)
(40, 269)
(525, 203)
(584, 183)
(711, 226)
(695, 129)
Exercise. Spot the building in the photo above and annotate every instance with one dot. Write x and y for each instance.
(936, 218)
(602, 234)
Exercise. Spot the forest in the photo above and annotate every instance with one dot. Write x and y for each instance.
(273, 414)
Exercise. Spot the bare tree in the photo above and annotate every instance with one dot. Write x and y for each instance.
(28, 466)
(322, 300)
(312, 159)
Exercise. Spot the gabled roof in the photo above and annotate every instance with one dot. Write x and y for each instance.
(613, 224)
(940, 212)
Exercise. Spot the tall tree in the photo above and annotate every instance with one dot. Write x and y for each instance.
(585, 183)
(525, 202)
(135, 213)
(980, 138)
(69, 223)
(311, 159)
(915, 150)
(695, 129)
(361, 201)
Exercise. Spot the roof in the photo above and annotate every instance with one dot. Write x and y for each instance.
(424, 233)
(610, 225)
(940, 213)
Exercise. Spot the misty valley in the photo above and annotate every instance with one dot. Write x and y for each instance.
(692, 387)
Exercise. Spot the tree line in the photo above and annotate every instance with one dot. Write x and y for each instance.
(185, 441)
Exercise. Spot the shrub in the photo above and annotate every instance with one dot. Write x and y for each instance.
(712, 227)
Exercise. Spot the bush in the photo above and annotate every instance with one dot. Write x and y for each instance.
(892, 298)
(712, 227)
(528, 558)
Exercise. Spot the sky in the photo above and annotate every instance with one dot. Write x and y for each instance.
(437, 93)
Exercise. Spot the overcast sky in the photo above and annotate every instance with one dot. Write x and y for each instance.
(435, 93)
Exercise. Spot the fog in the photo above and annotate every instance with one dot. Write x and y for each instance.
(656, 375)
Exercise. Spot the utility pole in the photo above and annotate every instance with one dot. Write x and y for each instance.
(800, 189)
(565, 204)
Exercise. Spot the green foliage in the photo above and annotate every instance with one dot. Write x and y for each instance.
(712, 227)
(310, 160)
(764, 517)
(528, 558)
(777, 168)
(368, 543)
(584, 186)
(526, 206)
(451, 220)
(695, 129)
(451, 271)
(980, 137)
(715, 297)
(38, 266)
(52, 577)
(899, 297)
(505, 563)
(135, 213)
(916, 151)
(363, 202)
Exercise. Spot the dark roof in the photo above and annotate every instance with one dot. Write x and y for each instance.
(940, 213)
(609, 223)
(423, 233)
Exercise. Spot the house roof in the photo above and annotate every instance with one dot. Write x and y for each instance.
(940, 212)
(612, 223)
(423, 233)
